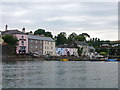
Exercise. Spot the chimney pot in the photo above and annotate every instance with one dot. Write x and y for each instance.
(23, 30)
(6, 27)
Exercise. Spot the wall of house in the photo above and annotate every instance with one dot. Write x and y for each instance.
(64, 51)
(23, 41)
(87, 50)
(48, 47)
(35, 45)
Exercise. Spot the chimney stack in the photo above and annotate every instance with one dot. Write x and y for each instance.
(23, 30)
(6, 27)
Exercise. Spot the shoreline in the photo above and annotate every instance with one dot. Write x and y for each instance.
(55, 58)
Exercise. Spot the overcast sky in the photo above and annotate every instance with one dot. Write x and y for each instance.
(98, 19)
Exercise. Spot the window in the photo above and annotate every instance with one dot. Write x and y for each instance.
(51, 47)
(36, 41)
(36, 46)
(22, 42)
(51, 52)
(40, 41)
(45, 42)
(22, 36)
(31, 41)
(40, 47)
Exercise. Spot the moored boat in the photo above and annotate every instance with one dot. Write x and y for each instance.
(111, 60)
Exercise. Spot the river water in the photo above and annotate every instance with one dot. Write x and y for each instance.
(60, 74)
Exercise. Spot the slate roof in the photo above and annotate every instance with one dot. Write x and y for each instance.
(91, 47)
(81, 43)
(40, 38)
(12, 32)
(65, 46)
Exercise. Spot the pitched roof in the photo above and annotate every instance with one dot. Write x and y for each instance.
(81, 43)
(91, 47)
(12, 32)
(65, 46)
(40, 38)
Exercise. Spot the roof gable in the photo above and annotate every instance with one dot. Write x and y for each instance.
(12, 32)
(40, 38)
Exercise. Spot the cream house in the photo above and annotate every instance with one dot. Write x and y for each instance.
(48, 46)
(86, 49)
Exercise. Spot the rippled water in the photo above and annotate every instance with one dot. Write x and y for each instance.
(58, 74)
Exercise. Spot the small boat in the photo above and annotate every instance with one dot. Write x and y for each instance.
(111, 60)
(64, 59)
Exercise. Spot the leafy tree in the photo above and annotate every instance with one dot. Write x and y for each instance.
(10, 40)
(80, 50)
(42, 32)
(39, 31)
(86, 35)
(61, 38)
(72, 37)
(48, 34)
(80, 38)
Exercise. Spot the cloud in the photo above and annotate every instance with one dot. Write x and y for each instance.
(89, 17)
(26, 21)
(19, 13)
(68, 18)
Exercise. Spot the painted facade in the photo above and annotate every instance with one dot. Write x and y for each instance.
(48, 47)
(66, 51)
(22, 46)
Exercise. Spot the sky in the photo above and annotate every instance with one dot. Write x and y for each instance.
(98, 19)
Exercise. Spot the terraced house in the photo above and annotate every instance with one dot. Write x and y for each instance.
(42, 45)
(22, 46)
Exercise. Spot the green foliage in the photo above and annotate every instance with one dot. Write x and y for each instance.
(80, 38)
(61, 38)
(10, 40)
(48, 34)
(42, 32)
(80, 50)
(103, 53)
(71, 38)
(85, 35)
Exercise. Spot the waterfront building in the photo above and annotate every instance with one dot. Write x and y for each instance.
(111, 47)
(42, 45)
(67, 50)
(22, 46)
(86, 49)
(1, 40)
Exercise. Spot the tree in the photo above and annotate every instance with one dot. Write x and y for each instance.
(71, 38)
(80, 38)
(48, 34)
(61, 38)
(86, 35)
(42, 32)
(10, 40)
(80, 50)
(39, 31)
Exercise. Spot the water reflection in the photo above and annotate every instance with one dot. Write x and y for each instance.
(58, 74)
